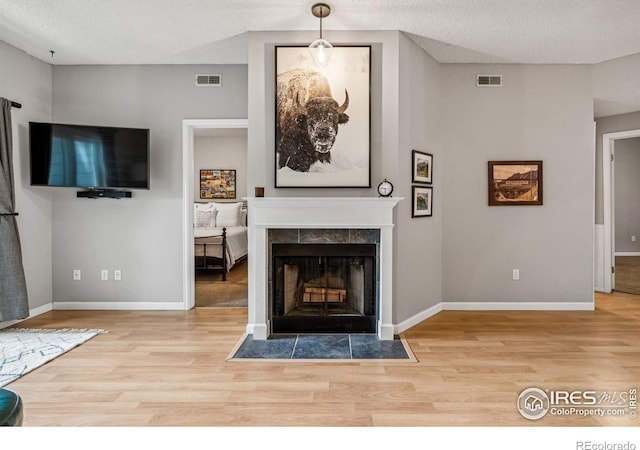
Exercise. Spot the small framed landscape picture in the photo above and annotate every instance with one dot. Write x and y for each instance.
(422, 201)
(515, 183)
(422, 167)
(217, 184)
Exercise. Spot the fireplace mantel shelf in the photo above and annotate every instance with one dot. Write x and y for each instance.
(331, 200)
(325, 202)
(322, 212)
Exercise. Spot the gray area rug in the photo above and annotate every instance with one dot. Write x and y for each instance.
(23, 350)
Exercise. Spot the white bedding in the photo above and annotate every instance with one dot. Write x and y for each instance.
(237, 243)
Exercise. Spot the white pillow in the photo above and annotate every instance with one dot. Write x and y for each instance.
(229, 214)
(204, 215)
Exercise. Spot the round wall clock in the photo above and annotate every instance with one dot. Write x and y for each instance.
(385, 188)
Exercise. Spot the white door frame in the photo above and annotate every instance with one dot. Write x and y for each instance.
(188, 131)
(608, 149)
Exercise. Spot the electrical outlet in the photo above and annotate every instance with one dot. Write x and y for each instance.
(516, 274)
(633, 238)
(104, 274)
(77, 275)
(117, 275)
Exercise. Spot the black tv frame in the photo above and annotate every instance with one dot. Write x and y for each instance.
(98, 191)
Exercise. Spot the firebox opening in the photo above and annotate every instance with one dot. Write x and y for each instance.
(324, 288)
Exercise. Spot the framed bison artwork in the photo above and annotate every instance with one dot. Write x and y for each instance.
(322, 130)
(515, 183)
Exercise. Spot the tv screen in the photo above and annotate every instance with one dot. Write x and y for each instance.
(89, 156)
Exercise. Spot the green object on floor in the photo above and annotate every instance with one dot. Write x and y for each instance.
(10, 409)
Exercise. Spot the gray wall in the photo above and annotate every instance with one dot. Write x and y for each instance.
(404, 115)
(616, 89)
(616, 94)
(419, 240)
(541, 113)
(384, 107)
(221, 152)
(611, 124)
(26, 80)
(627, 195)
(142, 236)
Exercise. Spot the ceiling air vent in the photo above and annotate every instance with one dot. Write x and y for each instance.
(210, 80)
(489, 80)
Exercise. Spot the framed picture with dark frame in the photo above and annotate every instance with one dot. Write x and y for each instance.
(422, 201)
(421, 167)
(515, 183)
(323, 118)
(217, 184)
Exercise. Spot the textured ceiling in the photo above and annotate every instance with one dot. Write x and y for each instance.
(215, 32)
(452, 31)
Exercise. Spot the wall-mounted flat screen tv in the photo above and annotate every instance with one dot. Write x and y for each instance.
(88, 156)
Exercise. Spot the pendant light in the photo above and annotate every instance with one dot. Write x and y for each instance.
(320, 49)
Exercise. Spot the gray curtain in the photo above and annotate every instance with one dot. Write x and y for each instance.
(14, 304)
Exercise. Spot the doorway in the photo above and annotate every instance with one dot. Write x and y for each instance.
(619, 239)
(189, 129)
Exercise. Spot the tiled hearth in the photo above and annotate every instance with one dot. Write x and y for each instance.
(313, 220)
(329, 347)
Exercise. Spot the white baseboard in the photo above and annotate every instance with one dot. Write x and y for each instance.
(492, 306)
(41, 310)
(386, 331)
(120, 306)
(516, 306)
(33, 312)
(416, 319)
(258, 331)
(627, 253)
(398, 328)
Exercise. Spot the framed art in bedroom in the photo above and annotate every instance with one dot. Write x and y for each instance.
(323, 118)
(217, 184)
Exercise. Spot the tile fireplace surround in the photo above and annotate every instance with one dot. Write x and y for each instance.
(318, 213)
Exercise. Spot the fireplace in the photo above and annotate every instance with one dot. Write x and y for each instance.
(319, 220)
(323, 288)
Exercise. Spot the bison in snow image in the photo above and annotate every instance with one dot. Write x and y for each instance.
(307, 119)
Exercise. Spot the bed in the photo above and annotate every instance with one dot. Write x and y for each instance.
(220, 236)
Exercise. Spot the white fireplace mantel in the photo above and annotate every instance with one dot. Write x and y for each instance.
(266, 213)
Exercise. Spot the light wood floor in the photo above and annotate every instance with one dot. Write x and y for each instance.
(628, 274)
(169, 369)
(211, 291)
